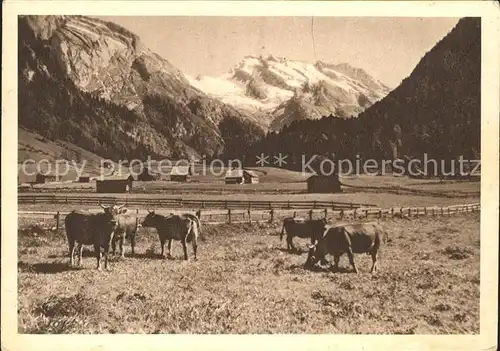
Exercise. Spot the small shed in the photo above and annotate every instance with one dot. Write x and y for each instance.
(45, 178)
(116, 183)
(250, 177)
(234, 176)
(323, 184)
(180, 173)
(84, 178)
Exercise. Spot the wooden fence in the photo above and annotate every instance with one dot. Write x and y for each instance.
(152, 202)
(232, 216)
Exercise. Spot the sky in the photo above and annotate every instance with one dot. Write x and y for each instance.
(386, 48)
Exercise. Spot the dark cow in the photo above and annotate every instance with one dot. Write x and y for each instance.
(302, 228)
(126, 228)
(348, 238)
(174, 227)
(85, 228)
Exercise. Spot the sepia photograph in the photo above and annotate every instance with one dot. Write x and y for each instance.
(273, 173)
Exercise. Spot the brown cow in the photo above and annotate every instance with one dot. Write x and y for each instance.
(174, 227)
(302, 228)
(85, 228)
(126, 228)
(348, 238)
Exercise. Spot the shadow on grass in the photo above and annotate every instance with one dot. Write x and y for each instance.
(293, 252)
(45, 268)
(147, 255)
(325, 268)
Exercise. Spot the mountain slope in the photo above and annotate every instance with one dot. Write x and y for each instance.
(93, 83)
(280, 91)
(435, 111)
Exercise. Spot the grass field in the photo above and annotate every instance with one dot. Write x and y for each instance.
(244, 282)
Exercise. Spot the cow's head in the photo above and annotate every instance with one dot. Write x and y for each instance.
(150, 219)
(312, 257)
(112, 212)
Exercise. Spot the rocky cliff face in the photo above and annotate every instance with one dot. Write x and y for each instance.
(95, 84)
(279, 91)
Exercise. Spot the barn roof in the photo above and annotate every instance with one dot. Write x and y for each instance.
(180, 170)
(234, 173)
(252, 174)
(119, 176)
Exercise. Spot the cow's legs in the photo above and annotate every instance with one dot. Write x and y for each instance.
(169, 254)
(374, 262)
(290, 243)
(184, 248)
(195, 248)
(162, 244)
(71, 252)
(97, 251)
(122, 252)
(351, 260)
(336, 260)
(80, 254)
(106, 252)
(132, 244)
(113, 245)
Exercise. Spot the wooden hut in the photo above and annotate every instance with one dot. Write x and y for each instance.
(116, 183)
(323, 184)
(180, 173)
(234, 176)
(250, 177)
(84, 178)
(42, 178)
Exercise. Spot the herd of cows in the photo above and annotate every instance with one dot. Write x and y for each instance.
(116, 224)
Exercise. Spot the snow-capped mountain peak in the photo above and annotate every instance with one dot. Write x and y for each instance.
(265, 86)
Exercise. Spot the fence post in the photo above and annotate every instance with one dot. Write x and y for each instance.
(272, 216)
(229, 216)
(249, 205)
(57, 221)
(354, 214)
(442, 211)
(392, 212)
(449, 214)
(249, 216)
(34, 200)
(352, 206)
(225, 204)
(310, 214)
(314, 204)
(380, 213)
(433, 212)
(288, 205)
(326, 212)
(294, 214)
(366, 213)
(333, 206)
(425, 210)
(203, 204)
(270, 205)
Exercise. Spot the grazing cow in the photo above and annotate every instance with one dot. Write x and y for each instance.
(302, 228)
(174, 227)
(348, 238)
(85, 228)
(126, 228)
